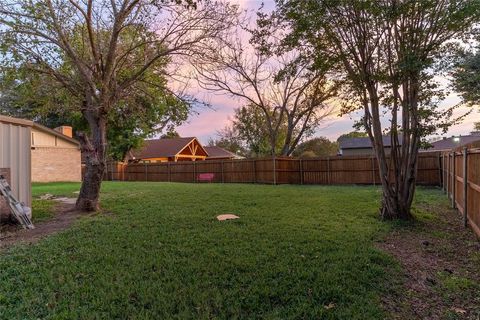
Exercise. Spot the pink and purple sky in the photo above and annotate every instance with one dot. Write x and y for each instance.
(207, 122)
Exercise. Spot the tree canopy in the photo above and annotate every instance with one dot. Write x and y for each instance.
(277, 86)
(316, 147)
(466, 76)
(105, 55)
(150, 111)
(385, 52)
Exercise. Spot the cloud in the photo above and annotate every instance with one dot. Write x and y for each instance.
(208, 121)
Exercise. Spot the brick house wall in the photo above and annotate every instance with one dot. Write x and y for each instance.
(50, 164)
(4, 209)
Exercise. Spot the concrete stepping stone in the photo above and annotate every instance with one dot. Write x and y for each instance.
(224, 217)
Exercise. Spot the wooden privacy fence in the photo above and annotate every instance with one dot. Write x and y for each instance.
(461, 182)
(326, 170)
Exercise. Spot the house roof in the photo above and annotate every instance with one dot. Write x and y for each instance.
(363, 142)
(55, 133)
(217, 152)
(29, 123)
(453, 142)
(163, 148)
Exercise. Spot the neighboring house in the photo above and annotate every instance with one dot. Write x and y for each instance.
(453, 142)
(15, 159)
(174, 149)
(362, 146)
(56, 156)
(217, 153)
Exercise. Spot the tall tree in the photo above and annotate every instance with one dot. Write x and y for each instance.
(107, 45)
(279, 85)
(466, 75)
(466, 78)
(170, 135)
(386, 50)
(146, 112)
(316, 147)
(229, 139)
(248, 132)
(253, 129)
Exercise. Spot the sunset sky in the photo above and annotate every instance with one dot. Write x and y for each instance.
(205, 124)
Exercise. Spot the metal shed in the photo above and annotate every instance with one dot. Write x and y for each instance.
(15, 156)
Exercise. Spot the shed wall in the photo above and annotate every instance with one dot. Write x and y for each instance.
(4, 209)
(15, 154)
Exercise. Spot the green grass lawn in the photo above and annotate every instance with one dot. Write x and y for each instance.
(157, 252)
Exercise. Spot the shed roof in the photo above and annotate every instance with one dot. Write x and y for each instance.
(364, 142)
(217, 152)
(164, 148)
(17, 121)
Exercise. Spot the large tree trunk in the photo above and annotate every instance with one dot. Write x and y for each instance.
(395, 206)
(398, 190)
(398, 199)
(93, 148)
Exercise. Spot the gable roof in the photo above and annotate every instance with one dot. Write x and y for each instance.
(364, 142)
(55, 133)
(164, 148)
(453, 142)
(217, 152)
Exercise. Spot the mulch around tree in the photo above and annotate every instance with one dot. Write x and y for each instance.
(440, 261)
(65, 216)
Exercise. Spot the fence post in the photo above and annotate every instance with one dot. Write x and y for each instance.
(223, 172)
(373, 170)
(146, 171)
(169, 173)
(443, 172)
(454, 177)
(447, 175)
(194, 171)
(274, 171)
(301, 171)
(465, 187)
(440, 170)
(254, 164)
(328, 170)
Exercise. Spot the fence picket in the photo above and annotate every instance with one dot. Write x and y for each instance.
(468, 203)
(454, 178)
(327, 170)
(465, 187)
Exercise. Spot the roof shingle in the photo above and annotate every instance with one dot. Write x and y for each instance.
(453, 142)
(217, 152)
(364, 142)
(162, 148)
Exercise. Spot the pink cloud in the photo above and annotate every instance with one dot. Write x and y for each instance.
(208, 121)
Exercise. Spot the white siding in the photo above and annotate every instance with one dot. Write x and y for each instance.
(15, 154)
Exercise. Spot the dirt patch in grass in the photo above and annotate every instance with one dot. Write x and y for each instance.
(440, 261)
(63, 216)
